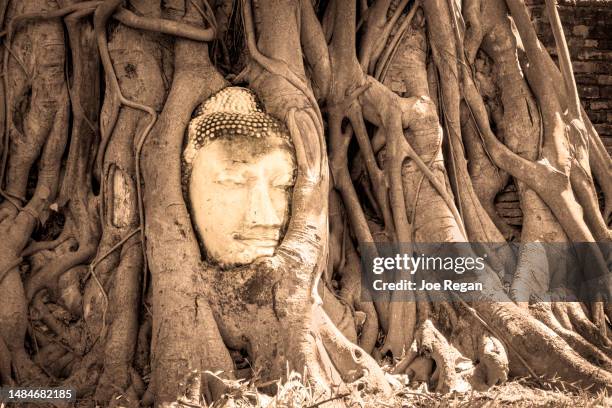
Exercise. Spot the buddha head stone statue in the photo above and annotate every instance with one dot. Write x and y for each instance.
(238, 172)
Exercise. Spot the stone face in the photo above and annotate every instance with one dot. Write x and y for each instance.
(240, 200)
(588, 31)
(238, 172)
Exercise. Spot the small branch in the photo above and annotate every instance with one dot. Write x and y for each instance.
(84, 101)
(382, 63)
(542, 83)
(315, 49)
(338, 148)
(118, 245)
(164, 26)
(275, 66)
(440, 188)
(374, 30)
(397, 154)
(399, 149)
(100, 18)
(48, 276)
(380, 43)
(474, 32)
(565, 62)
(379, 183)
(47, 15)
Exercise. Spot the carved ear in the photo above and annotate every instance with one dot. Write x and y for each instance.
(307, 151)
(305, 243)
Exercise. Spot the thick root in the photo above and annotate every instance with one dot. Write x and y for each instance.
(535, 349)
(351, 361)
(453, 372)
(544, 313)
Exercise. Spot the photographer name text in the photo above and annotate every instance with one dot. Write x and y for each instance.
(446, 285)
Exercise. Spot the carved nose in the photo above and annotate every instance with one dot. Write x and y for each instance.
(261, 211)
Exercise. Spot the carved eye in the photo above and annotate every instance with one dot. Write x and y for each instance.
(231, 182)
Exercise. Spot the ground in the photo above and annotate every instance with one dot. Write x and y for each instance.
(516, 393)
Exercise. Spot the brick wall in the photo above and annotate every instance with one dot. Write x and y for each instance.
(588, 30)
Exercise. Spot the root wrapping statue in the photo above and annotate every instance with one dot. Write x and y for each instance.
(239, 171)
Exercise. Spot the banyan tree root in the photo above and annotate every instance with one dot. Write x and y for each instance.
(331, 361)
(36, 131)
(538, 224)
(581, 366)
(455, 357)
(102, 285)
